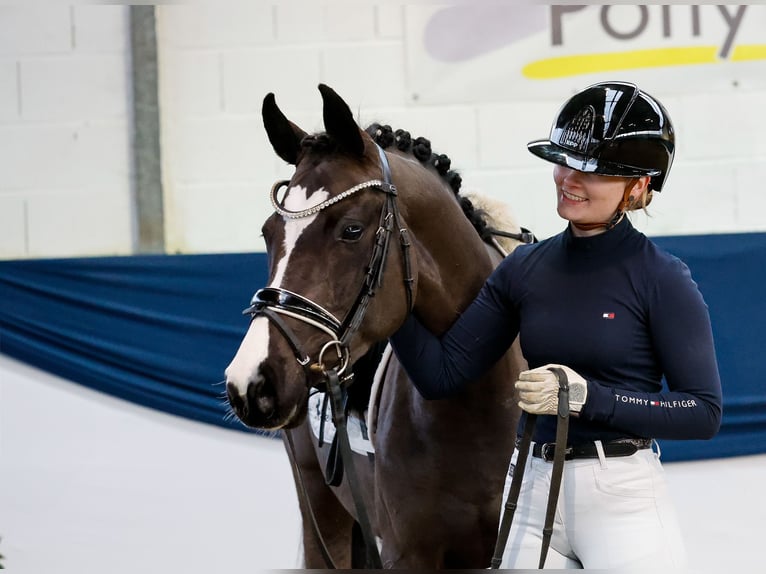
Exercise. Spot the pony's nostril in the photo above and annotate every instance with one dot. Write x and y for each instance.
(235, 400)
(260, 394)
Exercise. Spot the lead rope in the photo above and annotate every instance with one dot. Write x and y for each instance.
(314, 526)
(339, 418)
(513, 494)
(559, 455)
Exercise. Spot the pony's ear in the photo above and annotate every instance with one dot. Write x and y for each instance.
(339, 121)
(284, 135)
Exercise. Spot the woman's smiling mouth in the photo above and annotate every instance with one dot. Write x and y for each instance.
(572, 197)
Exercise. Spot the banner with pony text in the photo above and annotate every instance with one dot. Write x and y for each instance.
(506, 51)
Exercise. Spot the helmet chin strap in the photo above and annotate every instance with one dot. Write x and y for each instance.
(626, 202)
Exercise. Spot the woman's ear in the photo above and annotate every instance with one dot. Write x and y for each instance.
(640, 187)
(640, 194)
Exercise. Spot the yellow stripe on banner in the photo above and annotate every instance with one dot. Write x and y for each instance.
(751, 52)
(564, 66)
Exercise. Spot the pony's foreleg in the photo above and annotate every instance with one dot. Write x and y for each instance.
(329, 517)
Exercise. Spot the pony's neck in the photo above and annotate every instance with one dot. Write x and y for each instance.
(451, 274)
(451, 259)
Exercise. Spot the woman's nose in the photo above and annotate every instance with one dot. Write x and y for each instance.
(571, 174)
(563, 173)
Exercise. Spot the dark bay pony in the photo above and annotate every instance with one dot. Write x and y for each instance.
(433, 488)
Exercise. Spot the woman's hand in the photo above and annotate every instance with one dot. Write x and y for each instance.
(539, 390)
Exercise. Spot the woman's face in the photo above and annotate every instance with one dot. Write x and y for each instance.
(586, 197)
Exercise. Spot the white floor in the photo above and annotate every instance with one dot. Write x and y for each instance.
(89, 483)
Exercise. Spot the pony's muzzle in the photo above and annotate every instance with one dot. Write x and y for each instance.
(257, 405)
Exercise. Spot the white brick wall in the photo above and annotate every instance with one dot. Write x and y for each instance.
(65, 124)
(35, 29)
(89, 222)
(74, 86)
(216, 67)
(227, 26)
(9, 89)
(64, 131)
(216, 216)
(291, 73)
(13, 226)
(751, 200)
(100, 29)
(65, 155)
(360, 51)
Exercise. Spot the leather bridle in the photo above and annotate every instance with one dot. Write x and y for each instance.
(271, 302)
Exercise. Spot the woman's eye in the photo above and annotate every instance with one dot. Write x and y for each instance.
(352, 232)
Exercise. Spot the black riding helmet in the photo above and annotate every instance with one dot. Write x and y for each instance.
(611, 128)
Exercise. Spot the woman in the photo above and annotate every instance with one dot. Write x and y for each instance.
(617, 314)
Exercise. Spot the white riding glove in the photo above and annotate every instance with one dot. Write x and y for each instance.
(539, 390)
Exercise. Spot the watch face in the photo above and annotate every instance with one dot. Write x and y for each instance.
(576, 393)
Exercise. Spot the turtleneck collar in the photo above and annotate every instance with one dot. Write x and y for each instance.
(600, 242)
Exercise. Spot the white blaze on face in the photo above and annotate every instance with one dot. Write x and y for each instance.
(255, 346)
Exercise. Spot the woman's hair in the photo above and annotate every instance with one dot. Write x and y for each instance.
(642, 201)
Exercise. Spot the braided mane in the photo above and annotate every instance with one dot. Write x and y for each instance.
(419, 148)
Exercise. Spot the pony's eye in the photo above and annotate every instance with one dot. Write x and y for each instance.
(352, 232)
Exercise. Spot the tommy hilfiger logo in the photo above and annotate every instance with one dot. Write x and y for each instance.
(607, 315)
(685, 404)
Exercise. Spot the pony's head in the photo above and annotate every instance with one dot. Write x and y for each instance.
(356, 236)
(328, 250)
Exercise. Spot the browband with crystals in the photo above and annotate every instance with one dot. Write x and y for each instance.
(386, 187)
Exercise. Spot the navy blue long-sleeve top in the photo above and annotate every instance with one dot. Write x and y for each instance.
(615, 308)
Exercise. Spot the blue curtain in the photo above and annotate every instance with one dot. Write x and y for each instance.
(730, 270)
(155, 330)
(159, 330)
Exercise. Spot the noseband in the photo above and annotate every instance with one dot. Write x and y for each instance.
(272, 302)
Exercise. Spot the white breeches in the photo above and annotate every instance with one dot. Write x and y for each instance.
(612, 513)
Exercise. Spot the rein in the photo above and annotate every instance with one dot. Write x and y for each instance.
(271, 302)
(559, 453)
